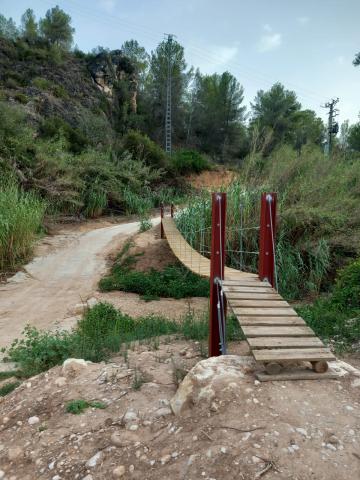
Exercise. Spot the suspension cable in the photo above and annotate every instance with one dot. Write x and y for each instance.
(269, 200)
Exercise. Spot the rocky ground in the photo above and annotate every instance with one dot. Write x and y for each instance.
(226, 424)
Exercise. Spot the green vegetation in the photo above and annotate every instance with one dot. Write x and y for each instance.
(336, 317)
(79, 406)
(21, 215)
(189, 161)
(8, 388)
(175, 281)
(102, 331)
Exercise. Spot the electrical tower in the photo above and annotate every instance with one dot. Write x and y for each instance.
(333, 127)
(168, 113)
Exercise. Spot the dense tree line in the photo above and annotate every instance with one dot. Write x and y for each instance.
(208, 111)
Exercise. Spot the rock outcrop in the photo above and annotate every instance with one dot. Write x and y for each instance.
(208, 380)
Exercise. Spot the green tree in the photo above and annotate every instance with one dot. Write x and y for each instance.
(29, 26)
(308, 128)
(8, 28)
(356, 61)
(56, 28)
(275, 114)
(138, 56)
(155, 90)
(354, 137)
(218, 114)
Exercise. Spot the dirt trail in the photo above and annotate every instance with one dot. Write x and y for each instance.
(55, 282)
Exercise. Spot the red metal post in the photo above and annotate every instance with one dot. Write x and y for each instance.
(162, 235)
(267, 237)
(217, 264)
(172, 210)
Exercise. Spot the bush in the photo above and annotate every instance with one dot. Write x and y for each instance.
(189, 161)
(141, 147)
(55, 126)
(175, 281)
(346, 294)
(21, 98)
(21, 216)
(8, 388)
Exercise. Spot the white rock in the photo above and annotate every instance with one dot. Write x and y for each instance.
(88, 477)
(163, 412)
(255, 459)
(131, 468)
(133, 427)
(175, 454)
(349, 408)
(56, 477)
(330, 447)
(356, 383)
(302, 431)
(119, 472)
(2, 474)
(208, 380)
(74, 366)
(92, 462)
(223, 450)
(51, 465)
(33, 420)
(91, 302)
(165, 459)
(130, 416)
(60, 381)
(256, 382)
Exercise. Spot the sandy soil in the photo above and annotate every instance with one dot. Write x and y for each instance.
(65, 272)
(302, 430)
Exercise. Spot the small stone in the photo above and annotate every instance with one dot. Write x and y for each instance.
(74, 366)
(302, 431)
(175, 454)
(33, 420)
(349, 408)
(133, 427)
(163, 412)
(223, 450)
(14, 453)
(214, 407)
(329, 446)
(130, 416)
(165, 459)
(256, 382)
(333, 440)
(51, 465)
(255, 459)
(2, 474)
(56, 477)
(256, 445)
(88, 477)
(118, 472)
(131, 468)
(92, 462)
(255, 400)
(152, 462)
(60, 381)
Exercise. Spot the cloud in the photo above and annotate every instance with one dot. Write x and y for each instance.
(214, 58)
(269, 41)
(303, 20)
(108, 5)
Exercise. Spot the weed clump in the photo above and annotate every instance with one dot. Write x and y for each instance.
(79, 406)
(8, 388)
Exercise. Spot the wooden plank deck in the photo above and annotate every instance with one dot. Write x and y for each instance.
(273, 329)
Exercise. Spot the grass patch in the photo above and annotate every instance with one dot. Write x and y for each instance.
(79, 406)
(175, 281)
(21, 216)
(103, 331)
(8, 374)
(8, 388)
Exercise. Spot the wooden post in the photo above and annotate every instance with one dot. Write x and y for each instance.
(172, 210)
(267, 238)
(162, 235)
(217, 265)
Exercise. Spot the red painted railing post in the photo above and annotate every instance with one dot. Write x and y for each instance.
(172, 210)
(162, 235)
(217, 264)
(267, 237)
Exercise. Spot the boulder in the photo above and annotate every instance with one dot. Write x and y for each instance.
(209, 379)
(74, 366)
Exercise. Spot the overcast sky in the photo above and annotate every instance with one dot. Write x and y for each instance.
(308, 46)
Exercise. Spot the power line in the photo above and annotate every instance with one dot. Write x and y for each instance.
(168, 113)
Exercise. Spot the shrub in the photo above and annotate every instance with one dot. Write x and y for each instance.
(141, 147)
(189, 161)
(175, 281)
(346, 294)
(145, 224)
(21, 98)
(79, 406)
(8, 388)
(21, 215)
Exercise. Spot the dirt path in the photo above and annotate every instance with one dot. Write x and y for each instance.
(65, 273)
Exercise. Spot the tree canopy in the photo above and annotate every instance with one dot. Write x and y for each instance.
(56, 28)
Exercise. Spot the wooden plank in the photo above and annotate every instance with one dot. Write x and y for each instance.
(245, 283)
(271, 321)
(236, 303)
(297, 374)
(248, 290)
(284, 342)
(232, 296)
(278, 331)
(293, 354)
(265, 312)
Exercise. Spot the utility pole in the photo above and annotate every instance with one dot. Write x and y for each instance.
(333, 127)
(168, 116)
